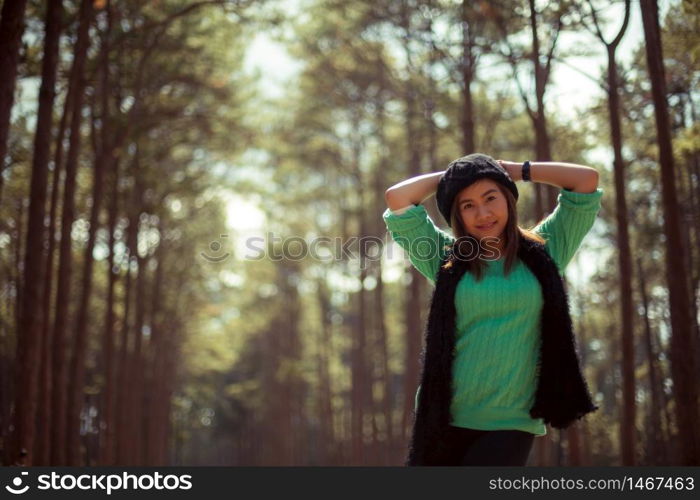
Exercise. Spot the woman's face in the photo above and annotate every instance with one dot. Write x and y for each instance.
(483, 209)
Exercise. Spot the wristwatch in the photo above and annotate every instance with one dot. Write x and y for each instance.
(526, 171)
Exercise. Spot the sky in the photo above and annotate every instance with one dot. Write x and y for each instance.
(568, 89)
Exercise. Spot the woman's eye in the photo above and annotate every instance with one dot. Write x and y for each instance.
(491, 198)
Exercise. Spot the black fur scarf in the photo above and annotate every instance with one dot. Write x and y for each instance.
(562, 394)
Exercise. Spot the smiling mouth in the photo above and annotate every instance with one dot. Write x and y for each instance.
(488, 226)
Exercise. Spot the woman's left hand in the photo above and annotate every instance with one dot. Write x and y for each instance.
(513, 168)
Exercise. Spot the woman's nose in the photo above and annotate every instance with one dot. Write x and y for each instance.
(482, 211)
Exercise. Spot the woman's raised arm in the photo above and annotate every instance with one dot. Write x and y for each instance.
(413, 229)
(412, 190)
(576, 178)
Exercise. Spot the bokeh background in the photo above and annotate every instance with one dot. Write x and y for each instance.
(194, 269)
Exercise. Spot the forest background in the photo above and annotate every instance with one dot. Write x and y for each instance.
(194, 269)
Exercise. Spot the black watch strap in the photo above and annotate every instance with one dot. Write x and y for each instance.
(526, 171)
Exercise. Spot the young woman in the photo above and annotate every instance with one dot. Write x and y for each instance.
(500, 359)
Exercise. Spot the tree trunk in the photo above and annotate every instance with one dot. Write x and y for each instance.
(431, 96)
(579, 451)
(546, 195)
(104, 157)
(136, 392)
(107, 455)
(59, 409)
(153, 370)
(47, 319)
(123, 377)
(658, 437)
(172, 359)
(468, 73)
(30, 339)
(8, 451)
(683, 349)
(414, 301)
(360, 372)
(47, 375)
(628, 420)
(11, 29)
(690, 246)
(325, 397)
(379, 312)
(573, 438)
(77, 372)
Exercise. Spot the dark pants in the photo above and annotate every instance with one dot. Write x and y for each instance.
(476, 447)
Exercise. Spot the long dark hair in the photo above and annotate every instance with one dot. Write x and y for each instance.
(511, 234)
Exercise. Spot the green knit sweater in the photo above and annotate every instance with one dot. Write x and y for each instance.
(498, 318)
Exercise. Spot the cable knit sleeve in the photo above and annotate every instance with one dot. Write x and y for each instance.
(424, 242)
(565, 228)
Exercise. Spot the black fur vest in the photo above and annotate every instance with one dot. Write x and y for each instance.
(562, 394)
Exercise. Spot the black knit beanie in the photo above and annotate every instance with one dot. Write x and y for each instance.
(463, 172)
